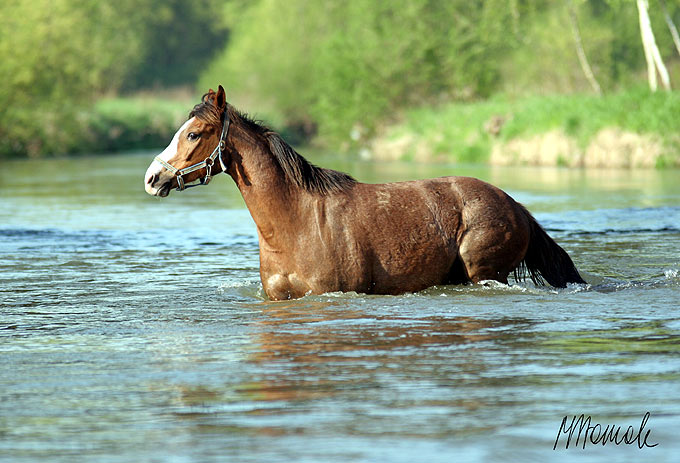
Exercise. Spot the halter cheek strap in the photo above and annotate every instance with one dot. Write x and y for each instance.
(207, 163)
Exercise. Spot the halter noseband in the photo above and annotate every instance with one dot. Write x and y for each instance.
(207, 162)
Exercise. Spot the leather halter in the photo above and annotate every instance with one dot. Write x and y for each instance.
(207, 162)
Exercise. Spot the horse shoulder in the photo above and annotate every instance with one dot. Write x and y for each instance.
(324, 252)
(341, 244)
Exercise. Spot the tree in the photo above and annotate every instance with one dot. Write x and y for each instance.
(652, 54)
(179, 40)
(349, 64)
(583, 60)
(671, 25)
(56, 55)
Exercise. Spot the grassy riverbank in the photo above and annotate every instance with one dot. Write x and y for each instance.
(629, 129)
(109, 125)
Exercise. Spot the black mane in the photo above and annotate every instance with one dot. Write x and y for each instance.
(296, 168)
(305, 174)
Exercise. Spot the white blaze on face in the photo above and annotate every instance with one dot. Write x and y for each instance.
(167, 154)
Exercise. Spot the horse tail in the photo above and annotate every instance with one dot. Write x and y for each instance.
(545, 261)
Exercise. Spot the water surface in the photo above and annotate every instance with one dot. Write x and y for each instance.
(135, 329)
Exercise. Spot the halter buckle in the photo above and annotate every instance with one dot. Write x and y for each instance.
(208, 167)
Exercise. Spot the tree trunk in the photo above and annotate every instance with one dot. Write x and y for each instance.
(514, 12)
(652, 54)
(582, 59)
(671, 25)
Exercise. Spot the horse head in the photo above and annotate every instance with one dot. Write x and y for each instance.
(192, 153)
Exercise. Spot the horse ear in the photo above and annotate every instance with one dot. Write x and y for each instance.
(221, 99)
(209, 97)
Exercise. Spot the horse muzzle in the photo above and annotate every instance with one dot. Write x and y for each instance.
(158, 182)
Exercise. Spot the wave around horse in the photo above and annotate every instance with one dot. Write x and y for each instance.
(320, 230)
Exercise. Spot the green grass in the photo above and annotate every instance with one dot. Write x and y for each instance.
(582, 116)
(454, 130)
(457, 131)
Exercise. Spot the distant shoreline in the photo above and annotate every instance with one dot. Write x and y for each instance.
(632, 129)
(611, 148)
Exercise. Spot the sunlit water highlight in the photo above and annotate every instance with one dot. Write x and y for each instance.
(135, 329)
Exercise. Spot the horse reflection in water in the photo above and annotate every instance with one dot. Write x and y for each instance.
(326, 350)
(303, 352)
(321, 231)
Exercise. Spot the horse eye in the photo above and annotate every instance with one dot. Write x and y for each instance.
(193, 136)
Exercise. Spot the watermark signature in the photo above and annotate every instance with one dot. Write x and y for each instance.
(603, 435)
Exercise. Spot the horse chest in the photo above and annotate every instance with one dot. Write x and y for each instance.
(279, 286)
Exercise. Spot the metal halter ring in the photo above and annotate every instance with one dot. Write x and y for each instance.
(208, 167)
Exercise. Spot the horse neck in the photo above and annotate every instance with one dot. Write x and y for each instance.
(272, 202)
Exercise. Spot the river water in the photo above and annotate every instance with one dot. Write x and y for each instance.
(134, 329)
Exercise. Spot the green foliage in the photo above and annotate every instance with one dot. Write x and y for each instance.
(340, 69)
(346, 65)
(58, 56)
(180, 39)
(109, 125)
(134, 123)
(349, 66)
(54, 50)
(547, 62)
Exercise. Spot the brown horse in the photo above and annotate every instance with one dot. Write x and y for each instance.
(320, 230)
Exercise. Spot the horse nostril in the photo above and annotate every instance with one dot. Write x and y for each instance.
(152, 179)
